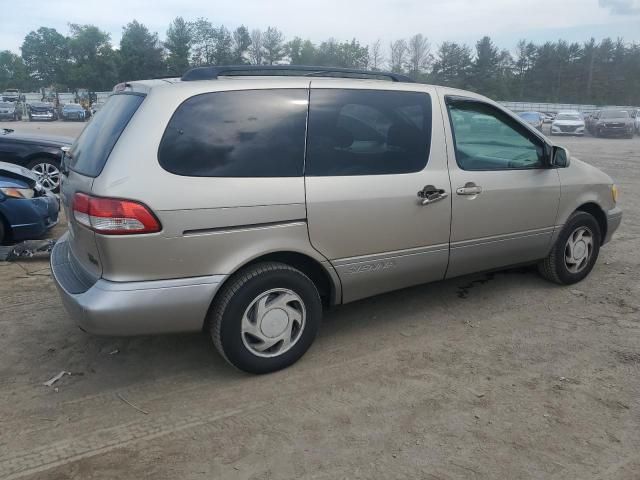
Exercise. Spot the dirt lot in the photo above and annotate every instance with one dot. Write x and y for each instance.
(489, 376)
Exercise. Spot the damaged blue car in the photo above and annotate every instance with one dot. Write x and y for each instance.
(27, 209)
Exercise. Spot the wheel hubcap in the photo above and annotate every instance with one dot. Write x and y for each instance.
(273, 323)
(578, 250)
(48, 175)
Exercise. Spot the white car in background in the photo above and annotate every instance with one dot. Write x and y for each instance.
(568, 123)
(637, 122)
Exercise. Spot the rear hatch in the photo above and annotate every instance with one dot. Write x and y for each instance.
(84, 162)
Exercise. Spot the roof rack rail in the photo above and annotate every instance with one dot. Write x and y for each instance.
(213, 72)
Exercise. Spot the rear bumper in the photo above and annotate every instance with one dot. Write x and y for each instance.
(614, 218)
(103, 307)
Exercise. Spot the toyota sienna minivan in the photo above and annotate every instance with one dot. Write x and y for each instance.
(244, 201)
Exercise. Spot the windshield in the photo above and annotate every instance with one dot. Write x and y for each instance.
(614, 114)
(568, 116)
(530, 116)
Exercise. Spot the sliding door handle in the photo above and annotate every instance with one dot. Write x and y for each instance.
(431, 194)
(470, 188)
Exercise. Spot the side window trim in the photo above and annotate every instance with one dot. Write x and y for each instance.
(527, 132)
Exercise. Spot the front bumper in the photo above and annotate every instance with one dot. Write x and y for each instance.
(103, 307)
(73, 116)
(9, 115)
(42, 116)
(614, 218)
(556, 130)
(614, 131)
(32, 218)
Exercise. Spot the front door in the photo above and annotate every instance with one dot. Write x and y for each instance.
(505, 196)
(377, 186)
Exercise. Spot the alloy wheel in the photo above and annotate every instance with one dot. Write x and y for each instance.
(48, 175)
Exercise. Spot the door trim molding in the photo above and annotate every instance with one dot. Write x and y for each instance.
(340, 262)
(501, 238)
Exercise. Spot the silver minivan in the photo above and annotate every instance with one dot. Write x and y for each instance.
(244, 201)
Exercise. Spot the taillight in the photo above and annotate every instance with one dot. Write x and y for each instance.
(114, 216)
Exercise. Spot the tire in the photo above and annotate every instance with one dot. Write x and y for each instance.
(235, 313)
(42, 165)
(556, 268)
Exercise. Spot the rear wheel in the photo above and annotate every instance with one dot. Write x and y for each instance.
(265, 317)
(48, 173)
(575, 252)
(3, 232)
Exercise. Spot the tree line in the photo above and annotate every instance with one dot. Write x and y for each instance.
(605, 72)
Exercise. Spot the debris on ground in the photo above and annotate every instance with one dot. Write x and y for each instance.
(55, 378)
(141, 410)
(113, 352)
(28, 248)
(477, 394)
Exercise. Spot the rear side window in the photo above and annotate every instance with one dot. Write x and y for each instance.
(90, 151)
(367, 132)
(249, 133)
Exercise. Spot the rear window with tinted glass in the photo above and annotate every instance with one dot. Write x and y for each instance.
(248, 133)
(90, 151)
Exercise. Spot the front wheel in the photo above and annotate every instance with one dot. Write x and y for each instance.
(575, 252)
(265, 317)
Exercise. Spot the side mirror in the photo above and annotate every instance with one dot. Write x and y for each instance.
(559, 157)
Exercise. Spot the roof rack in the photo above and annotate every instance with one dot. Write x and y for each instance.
(213, 72)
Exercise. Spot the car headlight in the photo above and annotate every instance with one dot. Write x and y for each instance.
(13, 192)
(614, 193)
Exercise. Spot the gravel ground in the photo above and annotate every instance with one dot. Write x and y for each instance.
(487, 376)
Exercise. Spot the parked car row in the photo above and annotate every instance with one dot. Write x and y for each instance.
(45, 111)
(608, 122)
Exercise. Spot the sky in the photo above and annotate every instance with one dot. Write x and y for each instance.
(505, 21)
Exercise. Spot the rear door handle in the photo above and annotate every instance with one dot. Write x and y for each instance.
(431, 194)
(470, 188)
